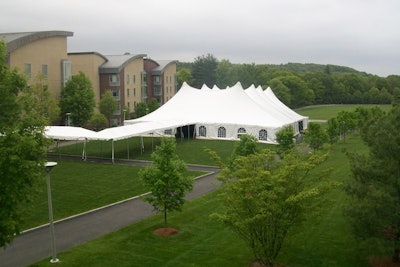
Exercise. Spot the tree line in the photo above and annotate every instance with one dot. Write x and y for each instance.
(294, 84)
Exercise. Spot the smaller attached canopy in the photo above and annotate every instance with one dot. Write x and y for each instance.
(69, 133)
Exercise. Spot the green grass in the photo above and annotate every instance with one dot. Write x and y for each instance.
(81, 186)
(324, 241)
(327, 112)
(192, 151)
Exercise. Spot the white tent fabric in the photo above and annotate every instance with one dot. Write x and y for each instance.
(215, 113)
(225, 113)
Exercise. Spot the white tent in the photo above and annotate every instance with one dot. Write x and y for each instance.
(223, 113)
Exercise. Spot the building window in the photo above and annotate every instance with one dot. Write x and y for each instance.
(127, 79)
(157, 79)
(203, 131)
(134, 78)
(45, 71)
(115, 93)
(28, 70)
(114, 80)
(128, 92)
(241, 131)
(262, 135)
(66, 71)
(221, 132)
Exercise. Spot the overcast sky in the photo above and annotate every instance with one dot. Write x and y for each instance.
(362, 34)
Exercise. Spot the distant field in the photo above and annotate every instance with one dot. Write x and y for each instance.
(326, 112)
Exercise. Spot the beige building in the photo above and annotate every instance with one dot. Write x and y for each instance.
(131, 78)
(35, 53)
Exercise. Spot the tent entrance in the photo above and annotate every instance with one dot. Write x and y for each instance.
(186, 132)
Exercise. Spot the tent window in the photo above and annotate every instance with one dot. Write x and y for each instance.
(221, 132)
(168, 132)
(241, 131)
(203, 131)
(262, 135)
(301, 126)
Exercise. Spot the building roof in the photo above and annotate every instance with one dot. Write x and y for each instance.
(162, 65)
(88, 53)
(18, 39)
(115, 63)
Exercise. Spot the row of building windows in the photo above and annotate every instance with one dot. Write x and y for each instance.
(28, 70)
(262, 134)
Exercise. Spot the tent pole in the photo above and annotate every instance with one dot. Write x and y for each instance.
(84, 149)
(127, 146)
(141, 145)
(112, 150)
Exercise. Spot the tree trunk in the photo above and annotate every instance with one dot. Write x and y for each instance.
(396, 255)
(165, 216)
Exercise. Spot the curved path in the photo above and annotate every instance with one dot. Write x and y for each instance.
(34, 245)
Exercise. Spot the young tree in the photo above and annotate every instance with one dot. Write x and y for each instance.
(315, 136)
(97, 122)
(141, 109)
(77, 98)
(184, 75)
(107, 105)
(264, 198)
(42, 100)
(22, 149)
(152, 105)
(375, 188)
(285, 137)
(166, 179)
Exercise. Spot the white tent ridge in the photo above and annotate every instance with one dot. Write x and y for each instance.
(214, 113)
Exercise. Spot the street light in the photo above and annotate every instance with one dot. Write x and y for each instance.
(68, 114)
(49, 166)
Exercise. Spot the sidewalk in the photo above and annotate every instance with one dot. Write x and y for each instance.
(34, 245)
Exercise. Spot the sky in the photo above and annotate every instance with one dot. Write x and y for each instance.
(361, 34)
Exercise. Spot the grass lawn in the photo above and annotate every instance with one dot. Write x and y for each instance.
(324, 241)
(327, 112)
(81, 186)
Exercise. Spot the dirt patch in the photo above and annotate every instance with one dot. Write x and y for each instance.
(165, 231)
(383, 262)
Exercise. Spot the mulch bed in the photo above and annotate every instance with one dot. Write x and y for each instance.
(165, 231)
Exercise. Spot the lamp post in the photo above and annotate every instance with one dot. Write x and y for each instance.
(123, 121)
(68, 114)
(49, 166)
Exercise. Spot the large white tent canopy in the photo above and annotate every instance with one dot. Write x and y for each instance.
(215, 114)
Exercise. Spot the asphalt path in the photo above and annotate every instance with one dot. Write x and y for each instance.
(35, 244)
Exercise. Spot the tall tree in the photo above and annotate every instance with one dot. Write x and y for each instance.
(264, 198)
(184, 75)
(204, 71)
(77, 99)
(22, 149)
(285, 139)
(316, 136)
(152, 105)
(166, 179)
(375, 187)
(107, 105)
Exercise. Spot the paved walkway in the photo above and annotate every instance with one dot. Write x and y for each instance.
(34, 245)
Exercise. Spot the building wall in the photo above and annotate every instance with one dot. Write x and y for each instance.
(47, 51)
(89, 64)
(169, 82)
(149, 65)
(133, 83)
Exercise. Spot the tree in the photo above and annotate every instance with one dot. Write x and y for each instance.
(285, 137)
(22, 149)
(42, 100)
(204, 71)
(107, 105)
(166, 179)
(265, 198)
(315, 136)
(152, 105)
(141, 109)
(97, 122)
(77, 98)
(375, 188)
(184, 75)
